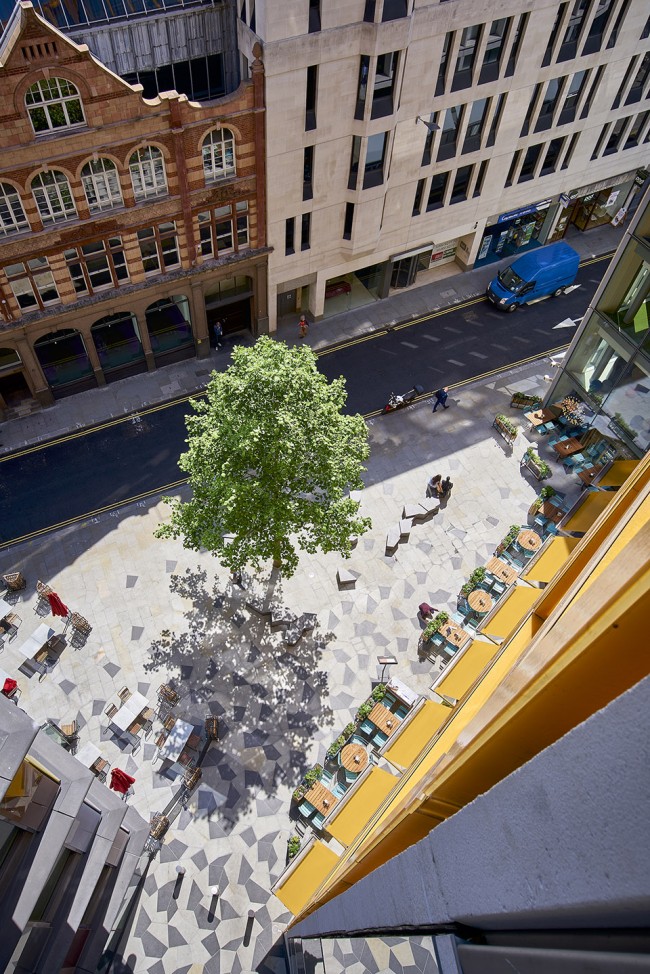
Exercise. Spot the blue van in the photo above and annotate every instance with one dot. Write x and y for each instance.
(537, 274)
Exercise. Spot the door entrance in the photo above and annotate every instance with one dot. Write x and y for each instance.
(234, 317)
(286, 303)
(405, 269)
(14, 390)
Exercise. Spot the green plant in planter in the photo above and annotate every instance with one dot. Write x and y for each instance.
(379, 692)
(293, 846)
(506, 424)
(547, 492)
(523, 399)
(510, 536)
(342, 739)
(474, 580)
(622, 425)
(364, 710)
(435, 625)
(542, 467)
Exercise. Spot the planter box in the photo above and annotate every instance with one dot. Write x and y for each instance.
(507, 435)
(530, 403)
(534, 469)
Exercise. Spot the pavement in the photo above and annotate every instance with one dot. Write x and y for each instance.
(175, 381)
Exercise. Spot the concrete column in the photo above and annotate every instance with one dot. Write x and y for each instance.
(91, 352)
(33, 373)
(141, 318)
(199, 320)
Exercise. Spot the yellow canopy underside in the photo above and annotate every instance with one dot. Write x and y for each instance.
(514, 608)
(368, 795)
(304, 880)
(592, 506)
(417, 734)
(555, 554)
(467, 668)
(618, 473)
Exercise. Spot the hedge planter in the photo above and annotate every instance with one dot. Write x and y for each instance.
(532, 461)
(505, 428)
(522, 401)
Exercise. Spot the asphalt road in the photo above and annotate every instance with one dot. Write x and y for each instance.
(86, 473)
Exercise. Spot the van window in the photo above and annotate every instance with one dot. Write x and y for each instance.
(510, 280)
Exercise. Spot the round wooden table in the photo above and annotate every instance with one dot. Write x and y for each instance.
(480, 601)
(529, 540)
(354, 757)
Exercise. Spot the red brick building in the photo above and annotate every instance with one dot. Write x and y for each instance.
(127, 226)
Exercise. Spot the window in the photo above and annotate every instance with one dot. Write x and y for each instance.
(529, 163)
(428, 142)
(599, 144)
(314, 16)
(516, 44)
(614, 142)
(475, 123)
(449, 134)
(32, 284)
(12, 215)
(573, 93)
(289, 236)
(308, 173)
(147, 169)
(373, 174)
(634, 135)
(218, 155)
(552, 156)
(594, 39)
(569, 45)
(53, 103)
(310, 98)
(592, 92)
(496, 118)
(646, 30)
(548, 53)
(442, 67)
(53, 197)
(417, 202)
(348, 221)
(566, 162)
(200, 78)
(461, 184)
(530, 110)
(513, 168)
(480, 179)
(305, 231)
(549, 104)
(355, 155)
(96, 266)
(437, 191)
(159, 248)
(101, 185)
(493, 51)
(362, 90)
(393, 10)
(223, 230)
(384, 87)
(622, 13)
(469, 43)
(640, 79)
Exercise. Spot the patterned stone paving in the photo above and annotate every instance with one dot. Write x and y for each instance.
(162, 614)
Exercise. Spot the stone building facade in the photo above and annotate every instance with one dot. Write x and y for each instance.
(127, 225)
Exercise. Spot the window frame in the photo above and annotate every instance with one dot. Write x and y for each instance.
(13, 218)
(57, 99)
(219, 144)
(31, 275)
(148, 168)
(79, 260)
(159, 236)
(53, 191)
(210, 229)
(100, 182)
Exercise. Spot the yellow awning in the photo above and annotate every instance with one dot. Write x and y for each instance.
(367, 796)
(464, 671)
(593, 505)
(554, 554)
(303, 881)
(515, 606)
(416, 734)
(618, 473)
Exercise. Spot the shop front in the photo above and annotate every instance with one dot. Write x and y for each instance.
(512, 233)
(592, 206)
(14, 389)
(65, 363)
(230, 302)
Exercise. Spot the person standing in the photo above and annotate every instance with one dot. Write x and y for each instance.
(445, 488)
(304, 327)
(433, 486)
(217, 330)
(441, 398)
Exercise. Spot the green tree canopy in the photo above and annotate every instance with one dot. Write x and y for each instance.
(270, 461)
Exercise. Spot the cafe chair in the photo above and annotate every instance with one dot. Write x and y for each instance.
(124, 694)
(317, 820)
(305, 809)
(169, 723)
(110, 711)
(367, 727)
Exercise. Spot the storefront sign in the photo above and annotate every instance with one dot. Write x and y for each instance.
(611, 199)
(603, 184)
(524, 211)
(565, 199)
(444, 252)
(485, 246)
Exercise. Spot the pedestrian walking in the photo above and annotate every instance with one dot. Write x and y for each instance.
(304, 327)
(217, 330)
(433, 486)
(445, 488)
(441, 398)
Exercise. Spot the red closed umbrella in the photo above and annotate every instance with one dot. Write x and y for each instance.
(9, 686)
(56, 606)
(121, 781)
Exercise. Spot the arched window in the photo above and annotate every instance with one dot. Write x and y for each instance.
(147, 169)
(219, 155)
(53, 197)
(101, 185)
(54, 103)
(12, 215)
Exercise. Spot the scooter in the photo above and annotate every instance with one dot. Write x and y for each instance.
(396, 402)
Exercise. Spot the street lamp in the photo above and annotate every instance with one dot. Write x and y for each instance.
(432, 126)
(385, 661)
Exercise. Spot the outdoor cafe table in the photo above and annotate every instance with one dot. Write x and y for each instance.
(480, 601)
(540, 416)
(34, 643)
(565, 448)
(88, 754)
(505, 573)
(176, 741)
(354, 757)
(551, 512)
(129, 712)
(382, 718)
(589, 475)
(454, 634)
(529, 540)
(321, 798)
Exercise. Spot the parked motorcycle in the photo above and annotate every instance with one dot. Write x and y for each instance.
(396, 402)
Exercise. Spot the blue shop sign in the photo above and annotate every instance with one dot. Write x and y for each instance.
(524, 211)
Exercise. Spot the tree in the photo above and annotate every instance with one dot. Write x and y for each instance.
(270, 460)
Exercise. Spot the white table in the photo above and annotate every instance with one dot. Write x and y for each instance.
(130, 711)
(36, 641)
(176, 740)
(88, 754)
(403, 692)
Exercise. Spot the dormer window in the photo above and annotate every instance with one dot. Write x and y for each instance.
(54, 103)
